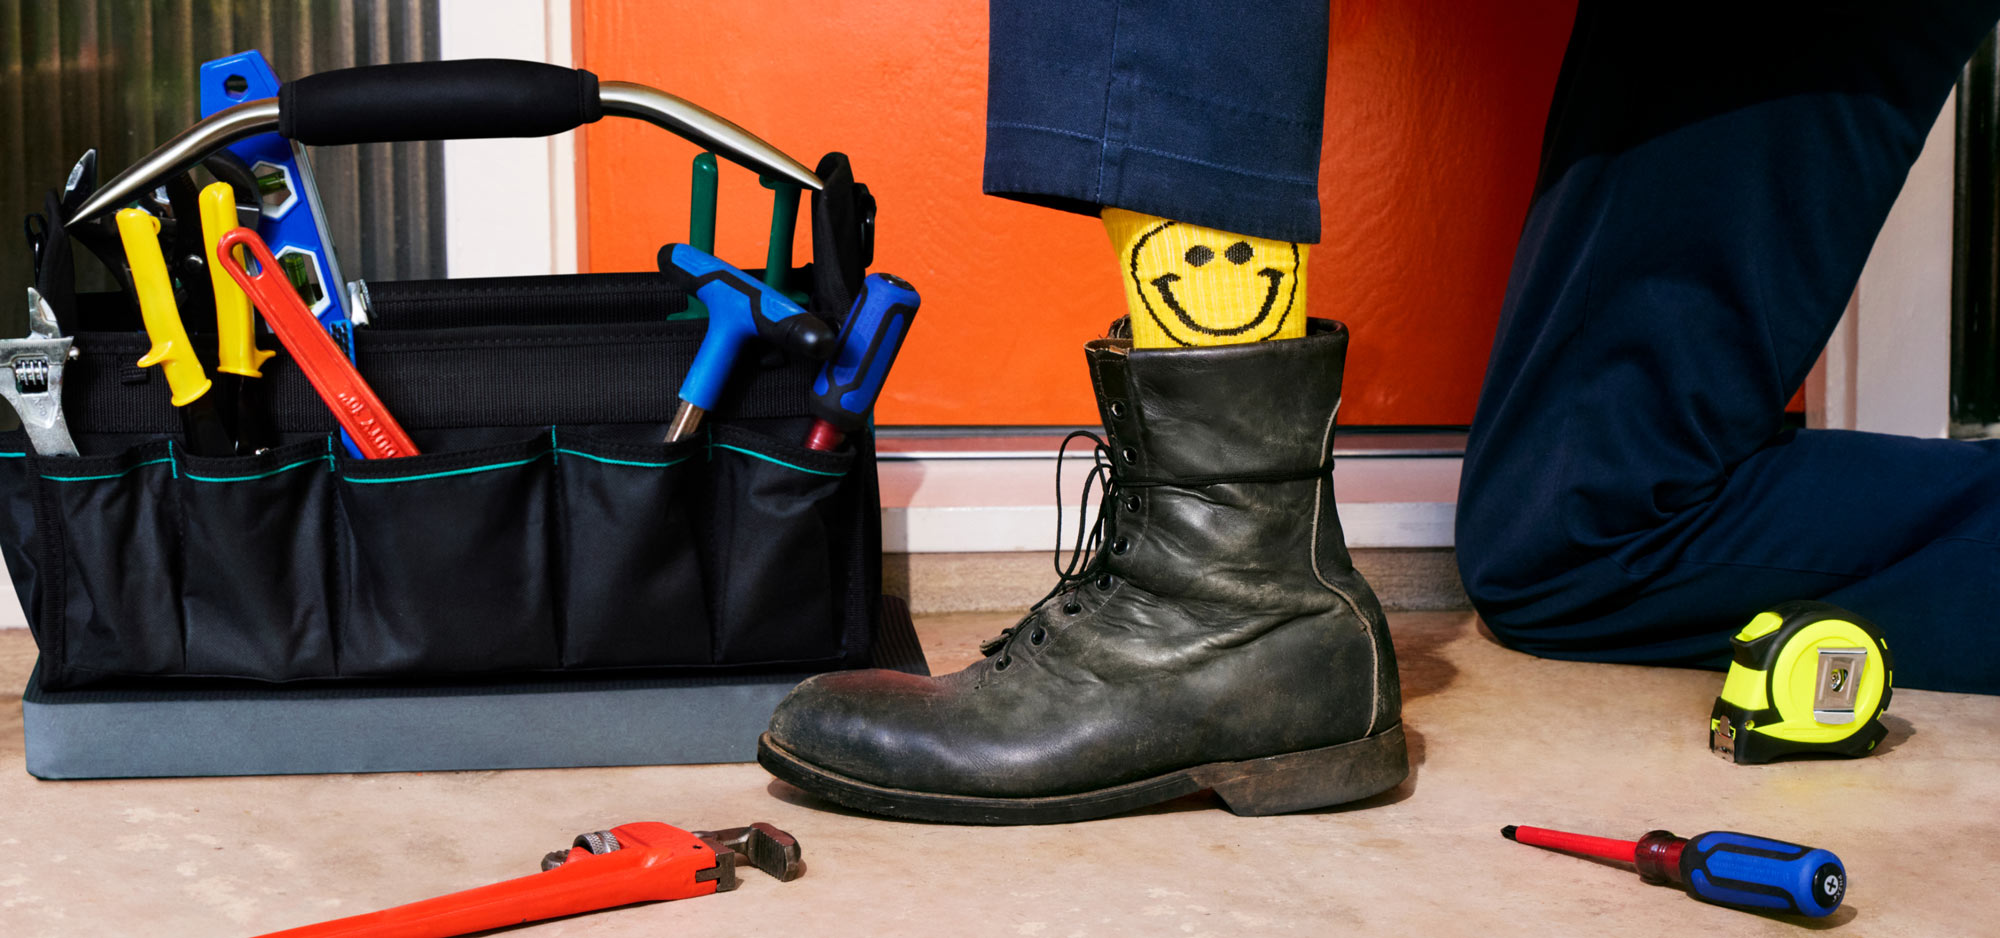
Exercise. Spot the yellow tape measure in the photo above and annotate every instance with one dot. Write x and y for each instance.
(1804, 677)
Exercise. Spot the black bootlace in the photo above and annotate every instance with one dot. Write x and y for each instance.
(1087, 552)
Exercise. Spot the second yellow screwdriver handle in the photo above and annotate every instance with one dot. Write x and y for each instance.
(238, 351)
(171, 350)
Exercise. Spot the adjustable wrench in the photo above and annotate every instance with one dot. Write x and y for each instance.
(33, 383)
(643, 862)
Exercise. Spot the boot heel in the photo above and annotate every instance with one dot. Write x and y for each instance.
(1313, 778)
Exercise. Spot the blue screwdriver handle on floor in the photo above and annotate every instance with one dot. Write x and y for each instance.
(739, 307)
(1740, 871)
(852, 379)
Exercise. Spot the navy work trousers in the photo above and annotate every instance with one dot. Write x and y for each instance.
(1203, 112)
(1713, 176)
(1710, 187)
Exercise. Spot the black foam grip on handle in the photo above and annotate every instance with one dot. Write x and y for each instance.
(457, 100)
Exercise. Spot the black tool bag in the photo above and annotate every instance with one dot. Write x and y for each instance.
(545, 527)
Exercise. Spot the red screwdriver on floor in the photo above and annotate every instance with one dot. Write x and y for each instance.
(1729, 869)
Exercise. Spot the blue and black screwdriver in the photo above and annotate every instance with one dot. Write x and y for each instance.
(852, 379)
(739, 308)
(1735, 870)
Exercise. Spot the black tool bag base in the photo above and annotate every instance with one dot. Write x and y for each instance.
(545, 527)
(206, 728)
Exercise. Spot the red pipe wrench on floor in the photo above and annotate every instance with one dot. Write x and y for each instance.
(643, 862)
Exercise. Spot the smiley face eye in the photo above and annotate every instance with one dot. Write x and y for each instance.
(1239, 253)
(1201, 254)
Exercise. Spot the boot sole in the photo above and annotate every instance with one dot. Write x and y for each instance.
(1294, 781)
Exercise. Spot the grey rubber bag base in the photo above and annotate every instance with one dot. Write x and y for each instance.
(554, 723)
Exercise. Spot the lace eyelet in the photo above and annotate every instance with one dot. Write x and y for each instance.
(1038, 636)
(1002, 664)
(1120, 546)
(1072, 608)
(1131, 454)
(1118, 409)
(1106, 581)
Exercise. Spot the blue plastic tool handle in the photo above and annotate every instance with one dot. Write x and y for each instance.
(294, 225)
(739, 306)
(870, 338)
(291, 224)
(1749, 872)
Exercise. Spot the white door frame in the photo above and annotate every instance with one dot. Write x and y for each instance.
(510, 205)
(1887, 367)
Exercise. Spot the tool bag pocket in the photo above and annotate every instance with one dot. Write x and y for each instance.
(775, 562)
(258, 594)
(449, 559)
(111, 561)
(633, 593)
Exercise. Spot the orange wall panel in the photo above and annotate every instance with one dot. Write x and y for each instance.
(1434, 117)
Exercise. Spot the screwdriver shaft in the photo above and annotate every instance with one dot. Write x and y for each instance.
(686, 419)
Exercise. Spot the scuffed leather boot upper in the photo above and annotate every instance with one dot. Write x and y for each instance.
(1220, 620)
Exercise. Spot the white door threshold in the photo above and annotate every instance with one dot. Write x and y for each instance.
(961, 496)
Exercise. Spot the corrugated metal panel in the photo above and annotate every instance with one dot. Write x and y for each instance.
(119, 75)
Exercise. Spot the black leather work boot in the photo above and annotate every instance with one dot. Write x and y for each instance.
(1219, 638)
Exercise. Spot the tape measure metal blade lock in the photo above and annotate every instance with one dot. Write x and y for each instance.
(1804, 677)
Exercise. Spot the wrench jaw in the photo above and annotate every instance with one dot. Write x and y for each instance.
(723, 873)
(33, 379)
(760, 845)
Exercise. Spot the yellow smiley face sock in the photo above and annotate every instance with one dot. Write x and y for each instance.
(1186, 285)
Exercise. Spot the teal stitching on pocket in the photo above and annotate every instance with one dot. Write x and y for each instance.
(13, 455)
(439, 475)
(150, 462)
(555, 447)
(739, 449)
(624, 462)
(261, 475)
(172, 466)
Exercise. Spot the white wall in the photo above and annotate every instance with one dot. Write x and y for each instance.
(509, 204)
(1888, 366)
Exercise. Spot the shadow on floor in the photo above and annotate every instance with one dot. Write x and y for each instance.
(1420, 660)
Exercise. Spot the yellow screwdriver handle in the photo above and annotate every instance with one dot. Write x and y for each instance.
(138, 229)
(238, 350)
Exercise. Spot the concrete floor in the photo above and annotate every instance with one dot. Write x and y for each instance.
(1498, 738)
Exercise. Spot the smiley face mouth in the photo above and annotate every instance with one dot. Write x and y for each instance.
(1165, 284)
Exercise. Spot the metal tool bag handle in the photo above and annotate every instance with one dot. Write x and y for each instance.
(455, 100)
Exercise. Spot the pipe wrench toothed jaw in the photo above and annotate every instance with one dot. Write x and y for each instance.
(33, 382)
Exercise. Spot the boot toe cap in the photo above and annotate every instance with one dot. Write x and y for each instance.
(852, 722)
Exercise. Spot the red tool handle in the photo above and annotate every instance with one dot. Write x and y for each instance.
(352, 401)
(654, 862)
